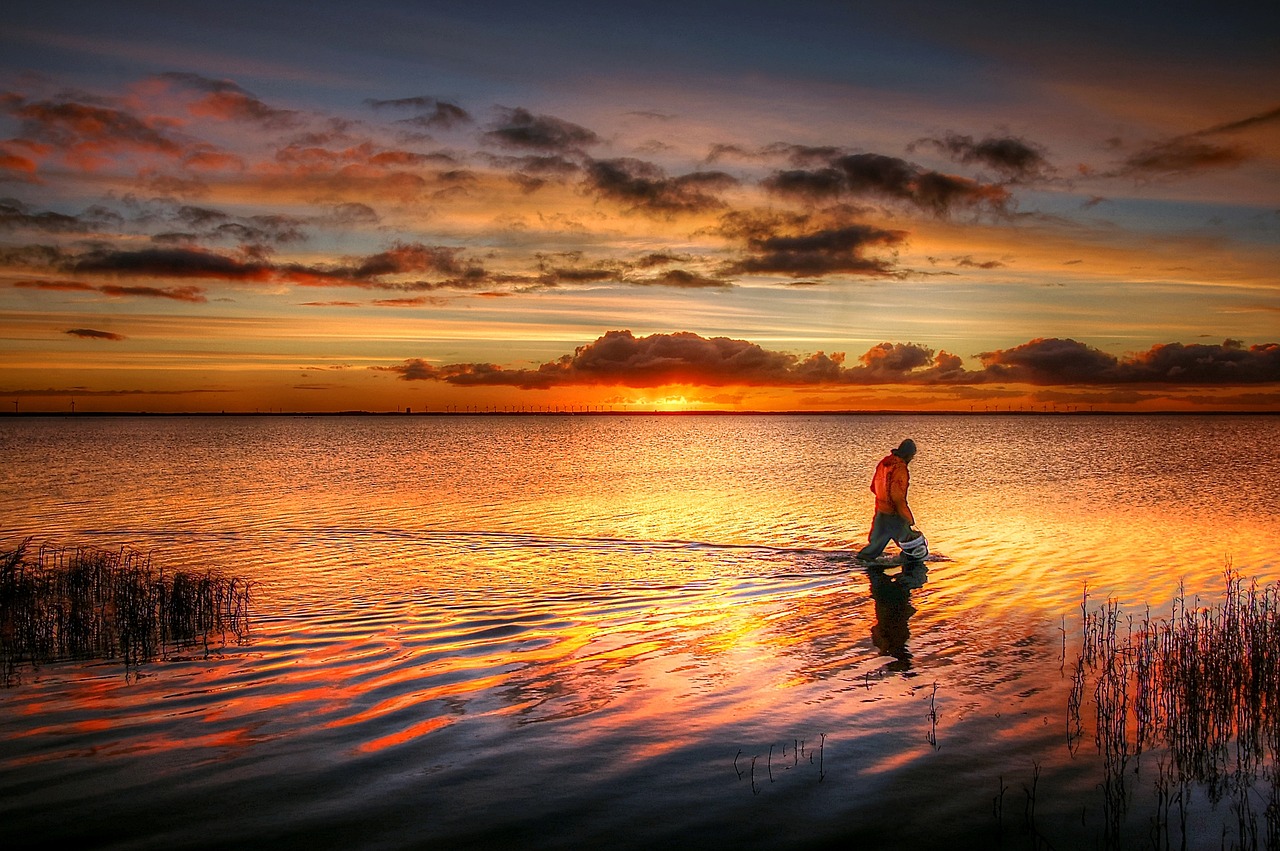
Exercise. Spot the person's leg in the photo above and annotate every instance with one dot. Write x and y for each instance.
(900, 530)
(882, 529)
(885, 528)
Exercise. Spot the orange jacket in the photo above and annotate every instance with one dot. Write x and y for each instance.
(889, 484)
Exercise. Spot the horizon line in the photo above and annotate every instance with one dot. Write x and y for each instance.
(1073, 411)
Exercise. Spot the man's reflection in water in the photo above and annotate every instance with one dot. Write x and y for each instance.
(892, 596)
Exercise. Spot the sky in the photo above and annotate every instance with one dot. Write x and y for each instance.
(481, 206)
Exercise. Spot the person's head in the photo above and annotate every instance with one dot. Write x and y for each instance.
(906, 450)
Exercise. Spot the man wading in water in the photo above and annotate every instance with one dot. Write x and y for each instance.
(893, 520)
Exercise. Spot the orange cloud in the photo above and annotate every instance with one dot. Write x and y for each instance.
(86, 135)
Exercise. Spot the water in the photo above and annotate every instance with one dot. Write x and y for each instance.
(561, 632)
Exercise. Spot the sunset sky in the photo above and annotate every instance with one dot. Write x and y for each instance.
(738, 205)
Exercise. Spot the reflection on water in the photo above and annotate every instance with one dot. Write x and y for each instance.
(559, 631)
(892, 596)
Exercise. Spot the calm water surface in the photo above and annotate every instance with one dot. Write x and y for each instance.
(561, 632)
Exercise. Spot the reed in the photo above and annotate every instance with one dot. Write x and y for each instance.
(800, 754)
(1202, 688)
(932, 736)
(81, 603)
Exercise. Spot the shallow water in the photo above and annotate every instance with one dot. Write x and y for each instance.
(556, 632)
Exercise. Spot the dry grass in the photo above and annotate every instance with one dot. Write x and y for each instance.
(83, 603)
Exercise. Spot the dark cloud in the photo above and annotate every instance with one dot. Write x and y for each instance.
(1195, 152)
(199, 217)
(1016, 160)
(275, 228)
(1052, 361)
(193, 295)
(350, 214)
(896, 358)
(942, 193)
(660, 258)
(14, 215)
(553, 276)
(758, 224)
(819, 252)
(412, 258)
(405, 267)
(413, 369)
(407, 301)
(1056, 361)
(1227, 363)
(721, 151)
(216, 225)
(968, 262)
(644, 187)
(683, 279)
(884, 177)
(816, 185)
(35, 257)
(519, 128)
(620, 358)
(420, 102)
(188, 262)
(432, 113)
(567, 268)
(201, 83)
(1268, 117)
(531, 172)
(1182, 156)
(91, 334)
(167, 262)
(804, 156)
(458, 177)
(540, 164)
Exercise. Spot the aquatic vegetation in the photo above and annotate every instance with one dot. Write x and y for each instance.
(800, 754)
(1200, 689)
(84, 602)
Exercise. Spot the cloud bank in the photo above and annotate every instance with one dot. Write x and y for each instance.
(620, 358)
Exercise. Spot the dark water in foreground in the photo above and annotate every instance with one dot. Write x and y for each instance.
(570, 632)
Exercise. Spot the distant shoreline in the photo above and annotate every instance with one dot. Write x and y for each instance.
(637, 413)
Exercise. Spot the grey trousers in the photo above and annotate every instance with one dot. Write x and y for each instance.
(885, 528)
